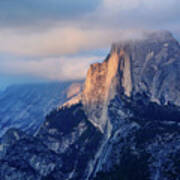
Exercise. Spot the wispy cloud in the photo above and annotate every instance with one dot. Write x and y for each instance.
(59, 68)
(64, 40)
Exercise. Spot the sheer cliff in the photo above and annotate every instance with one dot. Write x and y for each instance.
(148, 66)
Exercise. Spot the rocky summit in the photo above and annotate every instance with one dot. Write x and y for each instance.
(125, 125)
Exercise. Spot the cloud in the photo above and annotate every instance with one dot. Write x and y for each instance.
(67, 27)
(120, 5)
(134, 4)
(62, 68)
(26, 12)
(139, 13)
(60, 40)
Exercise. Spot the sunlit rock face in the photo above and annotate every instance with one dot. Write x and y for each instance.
(74, 89)
(102, 83)
(150, 65)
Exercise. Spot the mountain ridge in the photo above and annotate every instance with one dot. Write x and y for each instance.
(25, 106)
(124, 125)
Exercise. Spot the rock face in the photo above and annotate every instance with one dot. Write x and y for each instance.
(154, 64)
(102, 84)
(144, 143)
(74, 89)
(25, 106)
(150, 66)
(124, 125)
(35, 157)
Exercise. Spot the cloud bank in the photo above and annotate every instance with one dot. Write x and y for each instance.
(37, 32)
(63, 27)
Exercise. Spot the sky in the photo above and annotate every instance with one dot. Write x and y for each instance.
(50, 40)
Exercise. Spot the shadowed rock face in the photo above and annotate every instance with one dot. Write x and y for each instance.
(62, 149)
(114, 129)
(154, 65)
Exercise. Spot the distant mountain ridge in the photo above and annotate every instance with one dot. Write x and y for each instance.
(25, 106)
(124, 125)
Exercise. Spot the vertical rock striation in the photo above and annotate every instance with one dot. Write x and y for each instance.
(102, 84)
